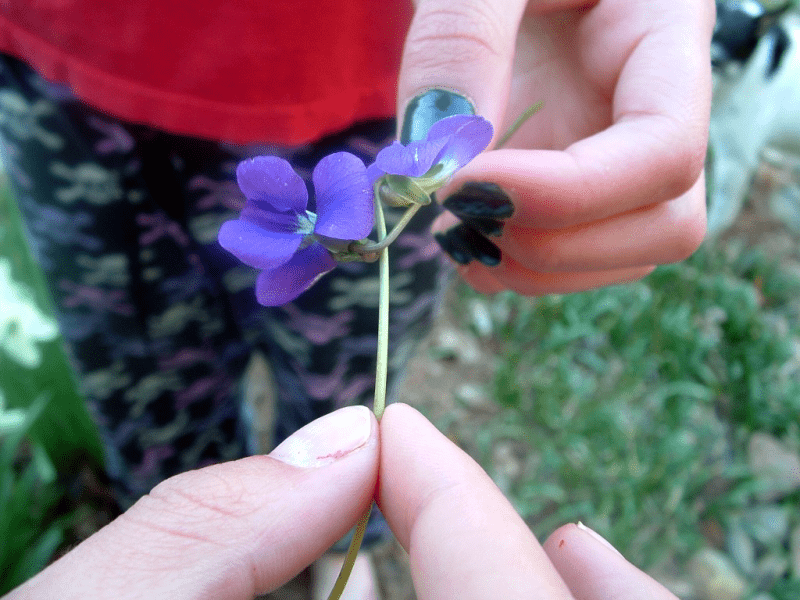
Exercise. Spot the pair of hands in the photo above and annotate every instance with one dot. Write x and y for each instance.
(607, 179)
(242, 528)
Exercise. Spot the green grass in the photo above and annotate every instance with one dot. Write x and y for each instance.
(30, 530)
(630, 407)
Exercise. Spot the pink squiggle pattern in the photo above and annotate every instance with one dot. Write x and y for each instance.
(160, 227)
(353, 390)
(116, 139)
(224, 194)
(422, 248)
(153, 456)
(96, 298)
(318, 329)
(187, 357)
(216, 385)
(322, 387)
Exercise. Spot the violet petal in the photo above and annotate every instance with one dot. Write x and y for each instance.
(270, 181)
(345, 208)
(270, 219)
(286, 282)
(413, 160)
(450, 125)
(374, 172)
(258, 247)
(468, 136)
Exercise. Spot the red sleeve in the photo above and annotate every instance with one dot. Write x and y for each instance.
(277, 71)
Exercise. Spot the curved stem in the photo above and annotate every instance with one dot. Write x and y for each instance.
(350, 558)
(529, 112)
(385, 240)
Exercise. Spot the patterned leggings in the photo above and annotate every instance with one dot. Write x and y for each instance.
(159, 321)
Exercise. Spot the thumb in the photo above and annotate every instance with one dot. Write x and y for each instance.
(230, 531)
(457, 59)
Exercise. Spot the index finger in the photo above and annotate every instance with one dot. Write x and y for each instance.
(464, 538)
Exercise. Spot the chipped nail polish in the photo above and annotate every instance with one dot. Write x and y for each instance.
(464, 244)
(480, 200)
(428, 108)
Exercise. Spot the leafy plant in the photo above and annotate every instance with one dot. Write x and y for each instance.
(28, 496)
(65, 429)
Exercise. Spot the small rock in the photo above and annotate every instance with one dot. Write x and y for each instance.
(715, 577)
(776, 468)
(506, 461)
(481, 318)
(474, 396)
(768, 523)
(785, 205)
(741, 547)
(770, 569)
(458, 345)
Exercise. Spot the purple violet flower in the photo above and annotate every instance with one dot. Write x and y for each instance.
(275, 231)
(451, 143)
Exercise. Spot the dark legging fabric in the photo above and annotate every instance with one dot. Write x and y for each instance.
(158, 320)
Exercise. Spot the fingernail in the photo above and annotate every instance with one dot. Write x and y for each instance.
(464, 244)
(490, 227)
(480, 200)
(327, 439)
(428, 108)
(598, 537)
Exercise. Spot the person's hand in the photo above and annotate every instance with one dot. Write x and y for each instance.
(230, 531)
(465, 540)
(606, 180)
(240, 529)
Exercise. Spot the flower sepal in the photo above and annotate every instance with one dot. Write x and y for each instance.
(355, 254)
(401, 190)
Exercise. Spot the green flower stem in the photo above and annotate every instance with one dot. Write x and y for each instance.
(383, 311)
(380, 387)
(529, 112)
(385, 240)
(350, 558)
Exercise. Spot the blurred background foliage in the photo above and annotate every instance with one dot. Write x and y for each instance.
(45, 429)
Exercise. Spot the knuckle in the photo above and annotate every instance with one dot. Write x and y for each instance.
(689, 162)
(537, 251)
(684, 154)
(688, 227)
(453, 35)
(199, 493)
(546, 258)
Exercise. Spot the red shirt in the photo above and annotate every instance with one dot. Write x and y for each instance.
(277, 71)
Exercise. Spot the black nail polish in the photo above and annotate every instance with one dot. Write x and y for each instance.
(488, 227)
(428, 108)
(457, 251)
(482, 249)
(480, 200)
(464, 244)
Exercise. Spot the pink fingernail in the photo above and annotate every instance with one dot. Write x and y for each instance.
(327, 439)
(598, 537)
